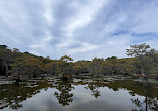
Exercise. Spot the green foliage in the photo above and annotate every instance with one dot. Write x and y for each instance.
(16, 50)
(138, 50)
(112, 58)
(98, 59)
(146, 57)
(16, 63)
(3, 47)
(66, 58)
(26, 65)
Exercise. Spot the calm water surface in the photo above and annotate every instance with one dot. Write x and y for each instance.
(119, 95)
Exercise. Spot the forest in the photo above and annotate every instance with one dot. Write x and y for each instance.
(142, 60)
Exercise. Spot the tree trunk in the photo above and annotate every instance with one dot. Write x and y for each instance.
(6, 66)
(29, 71)
(146, 101)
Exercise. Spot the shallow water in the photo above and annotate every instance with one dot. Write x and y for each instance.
(118, 95)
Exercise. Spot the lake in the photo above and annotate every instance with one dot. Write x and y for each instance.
(79, 95)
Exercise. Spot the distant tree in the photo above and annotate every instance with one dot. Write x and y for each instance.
(16, 50)
(145, 55)
(139, 51)
(95, 67)
(64, 66)
(80, 67)
(26, 65)
(48, 57)
(3, 47)
(66, 58)
(112, 65)
(7, 57)
(51, 67)
(145, 61)
(112, 58)
(152, 59)
(98, 59)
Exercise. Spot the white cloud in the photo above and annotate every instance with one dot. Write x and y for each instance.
(145, 19)
(85, 14)
(48, 14)
(75, 46)
(42, 45)
(84, 29)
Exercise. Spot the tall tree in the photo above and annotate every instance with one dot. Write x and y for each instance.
(66, 58)
(26, 65)
(145, 55)
(6, 56)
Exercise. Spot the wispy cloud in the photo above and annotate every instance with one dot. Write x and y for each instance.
(84, 29)
(48, 13)
(85, 13)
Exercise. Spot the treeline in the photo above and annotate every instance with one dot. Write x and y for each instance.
(144, 60)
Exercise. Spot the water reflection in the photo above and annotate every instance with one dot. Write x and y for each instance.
(148, 102)
(119, 95)
(12, 95)
(64, 94)
(94, 89)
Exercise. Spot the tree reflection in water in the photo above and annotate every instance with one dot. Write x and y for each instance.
(94, 87)
(12, 95)
(64, 94)
(149, 103)
(143, 96)
(144, 88)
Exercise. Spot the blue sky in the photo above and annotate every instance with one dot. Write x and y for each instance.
(83, 29)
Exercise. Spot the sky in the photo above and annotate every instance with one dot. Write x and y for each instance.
(83, 29)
